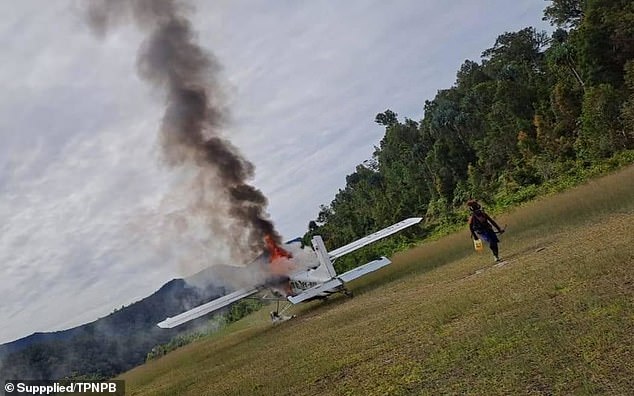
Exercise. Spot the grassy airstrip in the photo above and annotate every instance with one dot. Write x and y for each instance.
(556, 318)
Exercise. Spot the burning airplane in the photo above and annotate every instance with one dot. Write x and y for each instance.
(296, 282)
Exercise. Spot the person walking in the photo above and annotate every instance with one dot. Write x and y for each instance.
(481, 226)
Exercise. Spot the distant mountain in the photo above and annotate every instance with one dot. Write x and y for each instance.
(112, 344)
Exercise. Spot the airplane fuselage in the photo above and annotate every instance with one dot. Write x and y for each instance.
(303, 272)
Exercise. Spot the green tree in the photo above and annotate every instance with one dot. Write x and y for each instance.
(562, 55)
(601, 132)
(627, 110)
(564, 13)
(387, 118)
(603, 41)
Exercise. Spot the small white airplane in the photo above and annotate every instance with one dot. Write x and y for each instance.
(315, 278)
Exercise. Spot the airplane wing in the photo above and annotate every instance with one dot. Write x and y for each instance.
(204, 309)
(359, 243)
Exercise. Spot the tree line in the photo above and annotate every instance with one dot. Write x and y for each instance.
(536, 110)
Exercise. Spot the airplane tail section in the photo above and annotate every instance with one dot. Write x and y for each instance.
(326, 268)
(326, 258)
(337, 283)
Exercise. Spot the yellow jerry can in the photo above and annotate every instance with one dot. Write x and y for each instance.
(477, 245)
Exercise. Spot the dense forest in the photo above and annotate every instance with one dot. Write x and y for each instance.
(537, 112)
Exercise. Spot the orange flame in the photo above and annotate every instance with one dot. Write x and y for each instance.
(280, 264)
(275, 251)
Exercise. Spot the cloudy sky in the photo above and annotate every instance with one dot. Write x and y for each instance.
(86, 206)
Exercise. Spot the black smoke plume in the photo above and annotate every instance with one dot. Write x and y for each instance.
(171, 60)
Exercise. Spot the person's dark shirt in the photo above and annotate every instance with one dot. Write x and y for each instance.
(481, 222)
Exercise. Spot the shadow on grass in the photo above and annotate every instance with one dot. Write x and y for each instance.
(532, 249)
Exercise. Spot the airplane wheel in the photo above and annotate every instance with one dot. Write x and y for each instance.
(348, 293)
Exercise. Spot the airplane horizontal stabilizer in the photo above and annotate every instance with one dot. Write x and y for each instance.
(322, 289)
(359, 243)
(364, 269)
(204, 309)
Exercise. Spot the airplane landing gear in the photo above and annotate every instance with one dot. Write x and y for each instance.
(278, 316)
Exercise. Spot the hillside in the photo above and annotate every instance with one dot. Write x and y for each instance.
(556, 318)
(109, 345)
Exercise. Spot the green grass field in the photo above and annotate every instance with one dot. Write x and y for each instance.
(556, 318)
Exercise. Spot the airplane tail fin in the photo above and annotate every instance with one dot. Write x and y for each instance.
(322, 255)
